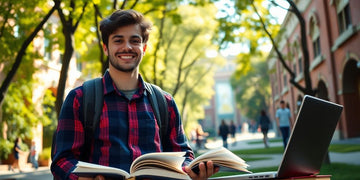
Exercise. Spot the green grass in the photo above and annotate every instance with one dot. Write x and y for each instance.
(339, 148)
(343, 148)
(273, 140)
(271, 150)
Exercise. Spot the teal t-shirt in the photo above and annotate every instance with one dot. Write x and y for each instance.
(284, 116)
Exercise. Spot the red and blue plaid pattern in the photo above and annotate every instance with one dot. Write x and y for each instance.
(127, 129)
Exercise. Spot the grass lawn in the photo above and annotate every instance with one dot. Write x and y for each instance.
(339, 148)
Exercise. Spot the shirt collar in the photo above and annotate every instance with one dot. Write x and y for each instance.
(111, 87)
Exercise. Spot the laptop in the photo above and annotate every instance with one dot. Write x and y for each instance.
(308, 143)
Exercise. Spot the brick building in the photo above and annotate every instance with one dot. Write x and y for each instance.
(333, 40)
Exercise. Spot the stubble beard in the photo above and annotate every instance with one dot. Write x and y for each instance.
(124, 68)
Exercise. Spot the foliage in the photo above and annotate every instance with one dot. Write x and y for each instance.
(252, 85)
(182, 68)
(19, 20)
(50, 114)
(45, 154)
(180, 62)
(6, 148)
(18, 110)
(251, 80)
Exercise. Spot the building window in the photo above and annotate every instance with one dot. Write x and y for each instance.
(315, 36)
(285, 80)
(300, 64)
(316, 47)
(344, 18)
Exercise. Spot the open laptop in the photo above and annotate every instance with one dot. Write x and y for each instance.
(308, 143)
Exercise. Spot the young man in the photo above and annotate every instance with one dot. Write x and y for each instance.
(127, 127)
(283, 117)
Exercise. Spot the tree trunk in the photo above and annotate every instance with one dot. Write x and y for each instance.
(69, 50)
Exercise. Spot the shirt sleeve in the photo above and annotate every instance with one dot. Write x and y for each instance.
(177, 140)
(69, 137)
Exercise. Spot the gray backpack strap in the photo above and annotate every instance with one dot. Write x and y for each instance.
(93, 101)
(159, 105)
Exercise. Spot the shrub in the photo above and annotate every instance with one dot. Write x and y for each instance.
(6, 148)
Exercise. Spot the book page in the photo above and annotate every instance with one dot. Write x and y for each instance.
(159, 173)
(221, 157)
(85, 169)
(167, 160)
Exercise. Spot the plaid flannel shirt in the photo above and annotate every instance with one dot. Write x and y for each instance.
(127, 129)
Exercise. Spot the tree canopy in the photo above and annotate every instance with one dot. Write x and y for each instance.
(175, 60)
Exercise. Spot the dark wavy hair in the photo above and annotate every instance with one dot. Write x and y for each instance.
(121, 18)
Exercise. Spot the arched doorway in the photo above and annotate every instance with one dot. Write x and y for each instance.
(322, 90)
(351, 95)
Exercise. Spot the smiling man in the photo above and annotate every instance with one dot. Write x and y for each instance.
(127, 128)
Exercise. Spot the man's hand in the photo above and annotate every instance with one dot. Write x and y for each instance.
(204, 172)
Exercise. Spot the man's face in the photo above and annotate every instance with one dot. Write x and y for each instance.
(125, 48)
(282, 105)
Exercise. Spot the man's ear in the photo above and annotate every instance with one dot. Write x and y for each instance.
(105, 49)
(144, 48)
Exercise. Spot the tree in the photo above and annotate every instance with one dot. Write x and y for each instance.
(183, 36)
(20, 26)
(9, 6)
(253, 87)
(308, 86)
(255, 30)
(250, 80)
(70, 21)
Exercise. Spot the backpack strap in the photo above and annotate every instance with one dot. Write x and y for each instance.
(159, 105)
(92, 109)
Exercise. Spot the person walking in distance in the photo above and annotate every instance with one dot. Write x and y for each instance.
(34, 154)
(224, 132)
(127, 127)
(264, 123)
(17, 151)
(283, 118)
(232, 130)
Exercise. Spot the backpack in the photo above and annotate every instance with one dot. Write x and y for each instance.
(92, 109)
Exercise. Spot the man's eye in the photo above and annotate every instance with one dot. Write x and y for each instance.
(136, 41)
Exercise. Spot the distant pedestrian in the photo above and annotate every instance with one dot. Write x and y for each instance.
(224, 132)
(34, 155)
(264, 123)
(200, 137)
(283, 118)
(17, 151)
(232, 132)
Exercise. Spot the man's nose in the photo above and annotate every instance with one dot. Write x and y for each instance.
(127, 46)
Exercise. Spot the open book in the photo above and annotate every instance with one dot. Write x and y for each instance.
(163, 165)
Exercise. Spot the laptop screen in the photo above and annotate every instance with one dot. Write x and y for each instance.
(310, 138)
